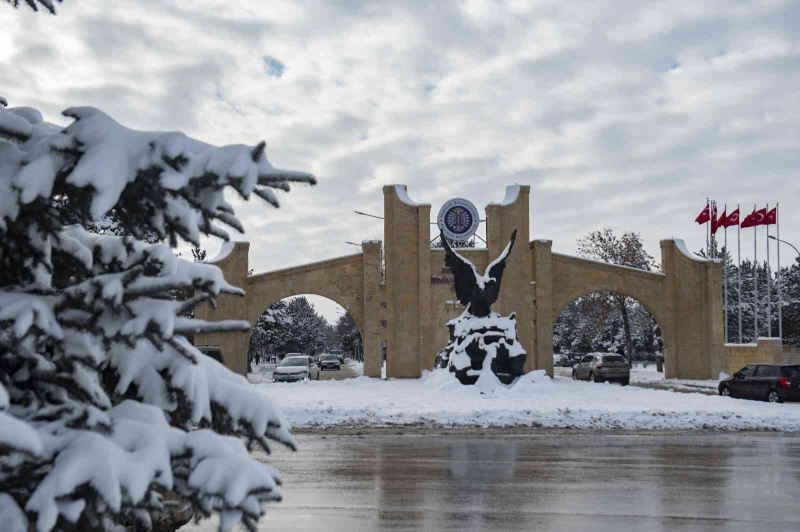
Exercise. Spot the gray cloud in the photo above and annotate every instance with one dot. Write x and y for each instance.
(619, 113)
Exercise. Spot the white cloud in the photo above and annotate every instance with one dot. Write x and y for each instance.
(617, 113)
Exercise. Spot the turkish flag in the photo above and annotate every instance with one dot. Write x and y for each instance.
(755, 218)
(704, 216)
(716, 223)
(731, 219)
(772, 217)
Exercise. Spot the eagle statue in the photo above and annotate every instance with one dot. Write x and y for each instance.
(483, 349)
(475, 291)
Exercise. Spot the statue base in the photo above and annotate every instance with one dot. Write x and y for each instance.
(488, 344)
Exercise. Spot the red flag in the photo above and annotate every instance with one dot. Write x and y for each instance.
(755, 218)
(716, 223)
(704, 216)
(731, 219)
(772, 217)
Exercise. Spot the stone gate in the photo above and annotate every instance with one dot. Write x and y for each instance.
(403, 301)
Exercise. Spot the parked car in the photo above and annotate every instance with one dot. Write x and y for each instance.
(296, 367)
(339, 354)
(601, 367)
(775, 383)
(213, 352)
(329, 361)
(561, 361)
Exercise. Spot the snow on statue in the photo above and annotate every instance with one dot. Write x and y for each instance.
(104, 404)
(483, 348)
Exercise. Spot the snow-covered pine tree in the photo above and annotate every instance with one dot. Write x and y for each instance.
(48, 5)
(104, 404)
(307, 327)
(271, 332)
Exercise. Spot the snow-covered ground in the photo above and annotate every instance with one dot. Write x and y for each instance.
(437, 399)
(649, 376)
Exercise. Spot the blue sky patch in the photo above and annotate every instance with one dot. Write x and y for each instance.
(273, 67)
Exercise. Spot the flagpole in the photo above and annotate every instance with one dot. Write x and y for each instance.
(755, 280)
(708, 229)
(739, 267)
(725, 274)
(769, 283)
(780, 280)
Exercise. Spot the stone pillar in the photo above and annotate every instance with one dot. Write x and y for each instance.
(516, 294)
(406, 232)
(542, 256)
(373, 311)
(692, 326)
(233, 262)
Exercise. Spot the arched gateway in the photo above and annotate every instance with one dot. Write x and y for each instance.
(407, 302)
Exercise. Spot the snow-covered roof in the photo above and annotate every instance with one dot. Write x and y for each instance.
(224, 251)
(681, 245)
(512, 193)
(402, 194)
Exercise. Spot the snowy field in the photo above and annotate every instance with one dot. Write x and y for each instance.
(437, 399)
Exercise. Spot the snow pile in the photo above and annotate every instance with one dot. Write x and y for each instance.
(535, 400)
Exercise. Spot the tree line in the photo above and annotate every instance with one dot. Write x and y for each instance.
(763, 301)
(295, 326)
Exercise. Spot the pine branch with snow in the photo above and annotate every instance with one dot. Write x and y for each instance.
(104, 404)
(47, 5)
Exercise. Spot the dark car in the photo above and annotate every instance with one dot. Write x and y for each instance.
(562, 361)
(775, 383)
(329, 362)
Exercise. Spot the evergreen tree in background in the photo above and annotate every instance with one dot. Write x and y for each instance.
(104, 404)
(595, 323)
(271, 333)
(307, 329)
(750, 273)
(347, 334)
(289, 326)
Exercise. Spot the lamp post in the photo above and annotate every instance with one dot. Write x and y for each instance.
(771, 237)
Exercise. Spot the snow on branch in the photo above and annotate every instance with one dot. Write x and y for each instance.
(104, 403)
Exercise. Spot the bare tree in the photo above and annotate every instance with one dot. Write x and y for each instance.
(625, 250)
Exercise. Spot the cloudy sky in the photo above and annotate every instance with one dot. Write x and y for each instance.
(617, 113)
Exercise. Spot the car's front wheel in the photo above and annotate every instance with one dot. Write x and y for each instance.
(774, 397)
(725, 391)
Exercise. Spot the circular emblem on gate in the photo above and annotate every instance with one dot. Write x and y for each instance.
(458, 219)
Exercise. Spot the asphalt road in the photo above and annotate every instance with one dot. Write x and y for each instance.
(543, 481)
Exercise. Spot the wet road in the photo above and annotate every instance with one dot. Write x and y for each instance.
(542, 481)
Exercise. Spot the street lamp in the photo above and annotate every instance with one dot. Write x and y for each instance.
(787, 243)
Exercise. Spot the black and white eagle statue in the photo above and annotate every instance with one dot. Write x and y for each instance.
(483, 346)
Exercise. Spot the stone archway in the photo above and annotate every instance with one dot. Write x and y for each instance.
(601, 322)
(406, 304)
(352, 281)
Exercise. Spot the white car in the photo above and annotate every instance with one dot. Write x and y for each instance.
(296, 367)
